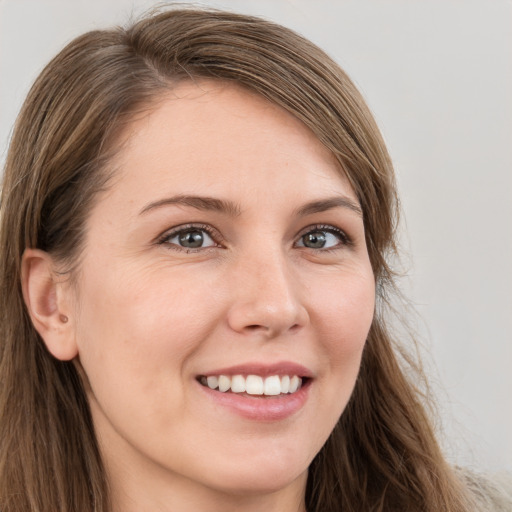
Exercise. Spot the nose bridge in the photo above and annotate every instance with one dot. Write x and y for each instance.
(266, 298)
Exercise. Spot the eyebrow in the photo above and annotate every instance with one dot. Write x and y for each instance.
(323, 205)
(198, 202)
(232, 209)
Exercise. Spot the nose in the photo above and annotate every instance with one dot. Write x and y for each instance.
(266, 298)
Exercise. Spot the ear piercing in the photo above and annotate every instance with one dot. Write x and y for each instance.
(63, 318)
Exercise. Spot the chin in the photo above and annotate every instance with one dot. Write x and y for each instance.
(259, 475)
(261, 482)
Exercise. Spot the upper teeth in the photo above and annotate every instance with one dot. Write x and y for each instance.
(254, 384)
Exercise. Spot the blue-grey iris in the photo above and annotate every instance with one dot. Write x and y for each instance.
(191, 239)
(314, 240)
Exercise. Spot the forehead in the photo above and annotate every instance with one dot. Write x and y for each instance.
(214, 137)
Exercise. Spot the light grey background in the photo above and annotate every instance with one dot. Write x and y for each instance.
(438, 76)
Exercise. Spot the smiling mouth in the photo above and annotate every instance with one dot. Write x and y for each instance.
(254, 385)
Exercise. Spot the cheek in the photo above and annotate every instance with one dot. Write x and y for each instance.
(344, 315)
(347, 307)
(134, 330)
(135, 343)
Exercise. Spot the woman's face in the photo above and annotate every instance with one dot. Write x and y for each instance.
(229, 250)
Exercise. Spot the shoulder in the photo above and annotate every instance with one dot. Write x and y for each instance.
(492, 492)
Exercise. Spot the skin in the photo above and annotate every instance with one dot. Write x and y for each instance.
(146, 316)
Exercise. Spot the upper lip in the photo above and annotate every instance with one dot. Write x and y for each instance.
(263, 369)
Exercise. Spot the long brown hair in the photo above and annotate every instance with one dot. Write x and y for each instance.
(382, 454)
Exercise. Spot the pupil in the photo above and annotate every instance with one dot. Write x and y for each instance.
(314, 240)
(191, 239)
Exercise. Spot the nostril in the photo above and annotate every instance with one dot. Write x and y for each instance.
(254, 327)
(268, 329)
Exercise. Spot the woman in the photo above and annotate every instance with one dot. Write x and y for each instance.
(197, 218)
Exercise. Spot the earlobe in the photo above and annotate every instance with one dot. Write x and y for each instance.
(48, 303)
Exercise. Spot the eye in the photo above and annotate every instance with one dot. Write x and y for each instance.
(327, 237)
(190, 238)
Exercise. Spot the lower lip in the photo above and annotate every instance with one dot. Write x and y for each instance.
(261, 408)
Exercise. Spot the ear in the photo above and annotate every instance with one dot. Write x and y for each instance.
(48, 300)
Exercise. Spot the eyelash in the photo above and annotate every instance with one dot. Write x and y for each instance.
(217, 238)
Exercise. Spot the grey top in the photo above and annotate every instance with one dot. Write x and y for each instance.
(492, 492)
